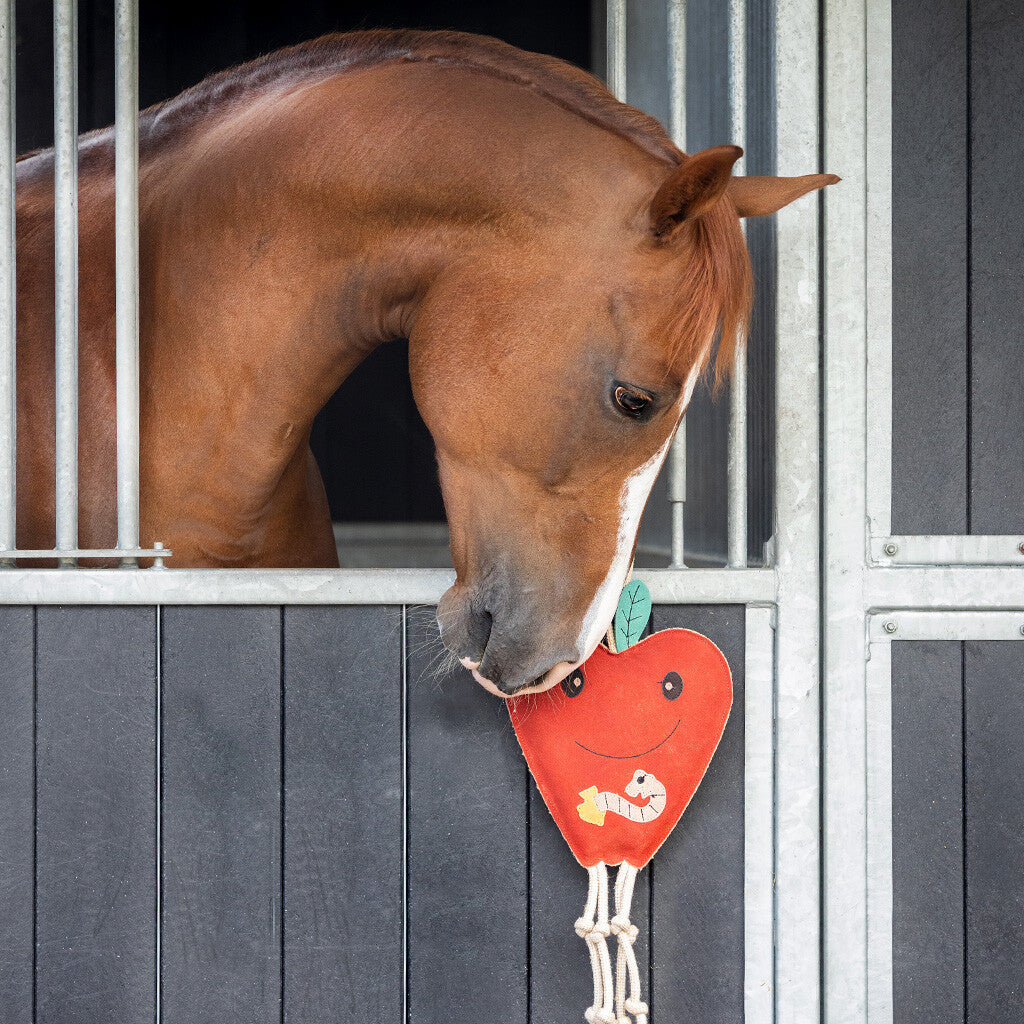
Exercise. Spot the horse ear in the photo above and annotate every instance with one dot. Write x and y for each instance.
(692, 188)
(755, 197)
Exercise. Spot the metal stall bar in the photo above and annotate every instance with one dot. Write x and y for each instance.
(677, 130)
(8, 289)
(758, 817)
(737, 464)
(65, 206)
(126, 228)
(616, 48)
(851, 727)
(797, 835)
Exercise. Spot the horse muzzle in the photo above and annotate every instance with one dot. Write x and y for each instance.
(494, 635)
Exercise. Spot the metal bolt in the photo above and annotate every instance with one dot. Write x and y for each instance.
(890, 548)
(1022, 630)
(890, 627)
(1020, 547)
(158, 562)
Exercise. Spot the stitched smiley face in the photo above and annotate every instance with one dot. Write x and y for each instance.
(620, 748)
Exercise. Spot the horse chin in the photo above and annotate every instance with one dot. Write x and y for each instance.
(551, 678)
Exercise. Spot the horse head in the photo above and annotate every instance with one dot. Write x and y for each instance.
(553, 372)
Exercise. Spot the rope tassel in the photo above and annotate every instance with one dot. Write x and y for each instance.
(595, 927)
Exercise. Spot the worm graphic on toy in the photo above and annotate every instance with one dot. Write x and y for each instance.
(643, 784)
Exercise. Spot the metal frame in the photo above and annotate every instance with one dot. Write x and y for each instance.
(877, 587)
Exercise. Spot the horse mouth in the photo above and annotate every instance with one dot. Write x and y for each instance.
(544, 682)
(629, 757)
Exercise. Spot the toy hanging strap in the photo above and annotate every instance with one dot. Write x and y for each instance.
(617, 754)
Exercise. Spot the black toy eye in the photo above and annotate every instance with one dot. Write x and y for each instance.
(672, 686)
(631, 401)
(572, 684)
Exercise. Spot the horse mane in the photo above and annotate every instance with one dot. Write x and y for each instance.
(714, 297)
(559, 81)
(715, 294)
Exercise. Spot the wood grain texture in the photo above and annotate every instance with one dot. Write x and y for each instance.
(993, 836)
(17, 834)
(997, 255)
(467, 845)
(697, 877)
(343, 812)
(929, 267)
(927, 811)
(95, 839)
(221, 815)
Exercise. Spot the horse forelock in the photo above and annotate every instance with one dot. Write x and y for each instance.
(559, 81)
(714, 297)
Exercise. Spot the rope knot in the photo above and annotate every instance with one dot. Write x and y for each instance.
(583, 926)
(623, 927)
(637, 1007)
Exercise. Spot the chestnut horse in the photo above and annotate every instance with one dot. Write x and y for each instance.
(559, 267)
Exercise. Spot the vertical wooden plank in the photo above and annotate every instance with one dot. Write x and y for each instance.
(997, 254)
(467, 845)
(344, 812)
(927, 833)
(95, 837)
(17, 834)
(929, 267)
(697, 877)
(221, 670)
(993, 835)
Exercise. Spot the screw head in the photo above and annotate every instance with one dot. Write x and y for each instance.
(890, 548)
(1020, 547)
(1022, 630)
(890, 627)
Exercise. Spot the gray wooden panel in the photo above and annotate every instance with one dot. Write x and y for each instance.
(16, 813)
(697, 876)
(467, 844)
(95, 852)
(994, 830)
(222, 948)
(997, 256)
(344, 812)
(927, 812)
(930, 286)
(561, 985)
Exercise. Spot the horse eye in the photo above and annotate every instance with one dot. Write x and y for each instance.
(631, 401)
(572, 684)
(672, 686)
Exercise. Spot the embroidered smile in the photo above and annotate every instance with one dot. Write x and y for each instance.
(627, 757)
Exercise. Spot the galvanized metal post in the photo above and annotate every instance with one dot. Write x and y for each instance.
(616, 47)
(126, 205)
(737, 464)
(8, 290)
(798, 979)
(65, 205)
(677, 129)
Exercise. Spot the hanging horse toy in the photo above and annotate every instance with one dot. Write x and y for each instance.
(617, 754)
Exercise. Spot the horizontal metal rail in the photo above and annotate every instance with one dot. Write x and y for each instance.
(326, 586)
(948, 549)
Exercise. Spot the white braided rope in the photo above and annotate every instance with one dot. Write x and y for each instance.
(626, 933)
(594, 927)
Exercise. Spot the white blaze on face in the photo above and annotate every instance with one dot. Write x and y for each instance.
(632, 500)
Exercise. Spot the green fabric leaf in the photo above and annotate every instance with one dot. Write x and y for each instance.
(632, 615)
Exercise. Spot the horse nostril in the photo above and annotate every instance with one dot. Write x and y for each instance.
(479, 632)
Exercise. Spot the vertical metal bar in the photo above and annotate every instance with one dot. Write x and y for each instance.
(878, 686)
(878, 184)
(848, 732)
(797, 928)
(65, 207)
(8, 289)
(737, 462)
(677, 129)
(616, 47)
(126, 206)
(758, 812)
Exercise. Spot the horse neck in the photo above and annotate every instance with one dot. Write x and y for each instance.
(293, 236)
